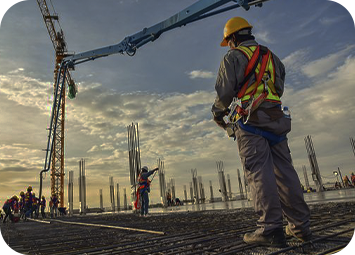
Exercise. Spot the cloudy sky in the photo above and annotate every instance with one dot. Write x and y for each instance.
(168, 88)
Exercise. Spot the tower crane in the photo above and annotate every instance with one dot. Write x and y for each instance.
(129, 45)
(57, 151)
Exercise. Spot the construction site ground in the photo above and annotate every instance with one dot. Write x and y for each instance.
(198, 232)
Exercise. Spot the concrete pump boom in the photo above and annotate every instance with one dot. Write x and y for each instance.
(197, 11)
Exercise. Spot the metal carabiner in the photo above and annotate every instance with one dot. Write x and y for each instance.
(266, 79)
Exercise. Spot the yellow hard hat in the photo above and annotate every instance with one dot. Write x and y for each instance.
(22, 193)
(15, 197)
(234, 25)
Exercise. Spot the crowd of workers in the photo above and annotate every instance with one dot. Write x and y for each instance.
(347, 182)
(27, 205)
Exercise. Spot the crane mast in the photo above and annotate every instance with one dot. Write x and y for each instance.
(57, 38)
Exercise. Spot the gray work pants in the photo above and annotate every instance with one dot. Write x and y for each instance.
(274, 184)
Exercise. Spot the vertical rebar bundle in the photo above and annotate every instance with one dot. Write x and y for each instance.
(211, 191)
(229, 187)
(118, 197)
(162, 183)
(112, 194)
(222, 180)
(240, 185)
(134, 158)
(82, 186)
(201, 189)
(195, 185)
(101, 200)
(192, 193)
(172, 185)
(352, 142)
(305, 177)
(125, 199)
(246, 186)
(71, 193)
(313, 163)
(185, 194)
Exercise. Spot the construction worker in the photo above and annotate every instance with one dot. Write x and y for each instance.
(253, 76)
(144, 189)
(22, 204)
(10, 206)
(35, 205)
(28, 202)
(53, 204)
(347, 182)
(353, 179)
(43, 207)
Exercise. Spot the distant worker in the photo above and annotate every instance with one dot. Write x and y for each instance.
(347, 182)
(35, 206)
(144, 189)
(353, 179)
(10, 206)
(43, 207)
(177, 201)
(53, 204)
(168, 198)
(22, 204)
(252, 77)
(28, 203)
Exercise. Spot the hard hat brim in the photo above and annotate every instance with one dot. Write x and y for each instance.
(224, 43)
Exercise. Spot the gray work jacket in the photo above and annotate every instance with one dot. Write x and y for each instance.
(231, 74)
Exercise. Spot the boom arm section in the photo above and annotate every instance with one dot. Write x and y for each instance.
(197, 11)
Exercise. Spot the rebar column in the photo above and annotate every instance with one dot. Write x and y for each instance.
(71, 192)
(240, 185)
(305, 177)
(195, 185)
(222, 180)
(191, 193)
(229, 187)
(201, 189)
(246, 186)
(82, 186)
(162, 183)
(352, 143)
(313, 162)
(125, 199)
(211, 191)
(172, 185)
(185, 194)
(112, 194)
(134, 159)
(101, 201)
(118, 197)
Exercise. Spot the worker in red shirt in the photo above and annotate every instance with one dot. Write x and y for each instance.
(10, 206)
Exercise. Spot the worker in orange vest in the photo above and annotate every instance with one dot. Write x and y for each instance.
(144, 189)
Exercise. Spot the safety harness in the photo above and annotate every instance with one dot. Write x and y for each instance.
(263, 89)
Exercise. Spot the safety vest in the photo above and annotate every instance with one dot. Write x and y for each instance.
(256, 89)
(143, 184)
(28, 198)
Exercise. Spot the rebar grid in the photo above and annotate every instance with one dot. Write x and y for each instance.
(198, 232)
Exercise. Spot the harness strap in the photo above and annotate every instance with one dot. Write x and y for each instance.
(249, 70)
(272, 138)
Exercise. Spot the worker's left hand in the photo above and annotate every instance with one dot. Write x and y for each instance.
(220, 122)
